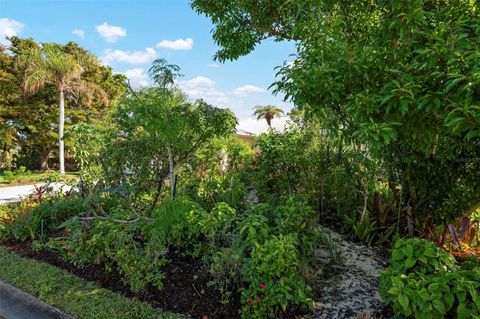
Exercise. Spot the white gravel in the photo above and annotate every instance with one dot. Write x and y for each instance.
(353, 292)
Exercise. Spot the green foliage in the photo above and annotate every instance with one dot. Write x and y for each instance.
(267, 112)
(299, 220)
(154, 134)
(424, 282)
(254, 228)
(202, 230)
(363, 229)
(273, 276)
(27, 121)
(399, 77)
(136, 249)
(86, 141)
(71, 294)
(420, 256)
(225, 268)
(27, 220)
(219, 172)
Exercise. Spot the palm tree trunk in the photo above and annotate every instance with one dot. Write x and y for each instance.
(61, 123)
(269, 122)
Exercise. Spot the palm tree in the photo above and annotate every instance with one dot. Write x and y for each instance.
(267, 112)
(49, 65)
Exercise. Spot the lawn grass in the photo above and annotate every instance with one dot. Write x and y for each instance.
(71, 294)
(31, 177)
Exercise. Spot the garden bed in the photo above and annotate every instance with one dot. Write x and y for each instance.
(73, 295)
(186, 286)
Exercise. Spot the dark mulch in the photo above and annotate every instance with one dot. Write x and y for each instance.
(186, 288)
(185, 291)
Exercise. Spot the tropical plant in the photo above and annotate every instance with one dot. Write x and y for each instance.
(461, 241)
(272, 273)
(50, 65)
(267, 112)
(424, 282)
(418, 113)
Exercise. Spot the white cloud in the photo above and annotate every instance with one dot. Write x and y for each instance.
(135, 57)
(261, 126)
(110, 33)
(137, 77)
(8, 28)
(205, 88)
(213, 65)
(180, 44)
(247, 89)
(79, 32)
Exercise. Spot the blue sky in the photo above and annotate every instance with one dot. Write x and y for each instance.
(128, 35)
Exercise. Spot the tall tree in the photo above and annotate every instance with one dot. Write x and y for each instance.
(164, 75)
(10, 92)
(267, 112)
(399, 76)
(50, 65)
(28, 130)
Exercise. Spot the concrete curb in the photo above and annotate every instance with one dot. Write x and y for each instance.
(17, 304)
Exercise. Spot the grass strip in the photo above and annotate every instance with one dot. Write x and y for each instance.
(71, 294)
(35, 177)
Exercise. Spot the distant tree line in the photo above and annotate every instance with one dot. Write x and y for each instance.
(35, 79)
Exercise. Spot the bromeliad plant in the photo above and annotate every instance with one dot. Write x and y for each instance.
(465, 239)
(462, 240)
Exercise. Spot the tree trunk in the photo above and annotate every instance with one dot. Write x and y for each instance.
(44, 153)
(61, 123)
(171, 173)
(269, 122)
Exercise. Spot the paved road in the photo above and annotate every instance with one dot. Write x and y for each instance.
(17, 304)
(16, 193)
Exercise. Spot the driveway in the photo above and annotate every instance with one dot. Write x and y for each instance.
(17, 304)
(16, 193)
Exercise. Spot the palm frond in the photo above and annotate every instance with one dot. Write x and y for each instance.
(87, 92)
(36, 81)
(267, 112)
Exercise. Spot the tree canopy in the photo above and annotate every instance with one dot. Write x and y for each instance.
(267, 112)
(30, 120)
(401, 77)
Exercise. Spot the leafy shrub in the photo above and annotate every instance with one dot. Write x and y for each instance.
(254, 227)
(14, 221)
(297, 218)
(136, 254)
(204, 230)
(272, 273)
(423, 282)
(219, 172)
(11, 175)
(420, 256)
(29, 220)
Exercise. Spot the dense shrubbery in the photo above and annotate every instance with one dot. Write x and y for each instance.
(424, 282)
(396, 78)
(343, 183)
(33, 218)
(164, 176)
(219, 172)
(258, 252)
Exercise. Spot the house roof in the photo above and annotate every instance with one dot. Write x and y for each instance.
(245, 133)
